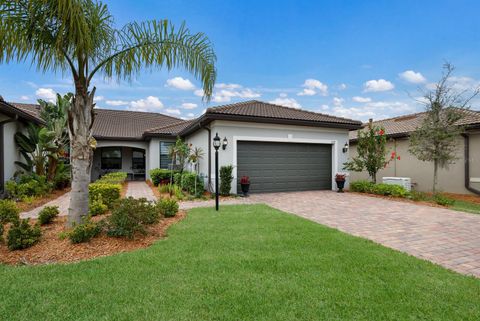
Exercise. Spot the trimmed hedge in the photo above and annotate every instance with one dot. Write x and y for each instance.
(379, 189)
(48, 214)
(159, 174)
(113, 178)
(84, 232)
(168, 207)
(109, 193)
(22, 235)
(187, 183)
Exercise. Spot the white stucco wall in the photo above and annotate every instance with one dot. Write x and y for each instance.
(200, 139)
(10, 152)
(237, 131)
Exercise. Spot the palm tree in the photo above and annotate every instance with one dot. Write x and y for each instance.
(79, 37)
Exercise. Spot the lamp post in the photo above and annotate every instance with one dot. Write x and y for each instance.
(216, 145)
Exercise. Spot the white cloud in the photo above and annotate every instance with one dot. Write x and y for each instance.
(24, 97)
(325, 107)
(374, 109)
(228, 86)
(283, 95)
(312, 87)
(47, 94)
(198, 92)
(151, 103)
(180, 83)
(287, 102)
(464, 83)
(226, 95)
(377, 85)
(116, 102)
(190, 115)
(342, 86)
(189, 106)
(98, 98)
(173, 111)
(337, 101)
(412, 77)
(359, 99)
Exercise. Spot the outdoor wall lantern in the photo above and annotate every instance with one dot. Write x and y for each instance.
(216, 145)
(345, 148)
(225, 143)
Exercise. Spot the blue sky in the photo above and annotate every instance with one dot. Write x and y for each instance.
(357, 59)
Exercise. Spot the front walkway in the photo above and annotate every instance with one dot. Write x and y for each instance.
(443, 236)
(139, 189)
(62, 202)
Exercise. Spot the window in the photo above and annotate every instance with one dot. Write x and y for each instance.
(165, 160)
(111, 158)
(138, 159)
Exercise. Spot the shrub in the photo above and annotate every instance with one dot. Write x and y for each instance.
(85, 231)
(113, 178)
(361, 186)
(172, 189)
(9, 212)
(177, 179)
(418, 196)
(130, 216)
(62, 177)
(96, 206)
(188, 182)
(28, 185)
(108, 192)
(47, 214)
(22, 235)
(159, 174)
(226, 179)
(443, 200)
(168, 207)
(389, 190)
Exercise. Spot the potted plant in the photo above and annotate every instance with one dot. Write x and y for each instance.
(340, 180)
(245, 183)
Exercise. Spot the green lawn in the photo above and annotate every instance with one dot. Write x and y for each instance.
(244, 263)
(464, 206)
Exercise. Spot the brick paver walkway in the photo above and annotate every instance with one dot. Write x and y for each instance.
(445, 237)
(138, 189)
(62, 202)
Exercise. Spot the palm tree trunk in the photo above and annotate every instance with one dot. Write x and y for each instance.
(80, 120)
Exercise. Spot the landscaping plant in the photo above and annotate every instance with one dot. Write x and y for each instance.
(85, 231)
(22, 235)
(47, 215)
(226, 179)
(80, 38)
(107, 191)
(168, 207)
(158, 175)
(435, 140)
(96, 206)
(9, 212)
(371, 152)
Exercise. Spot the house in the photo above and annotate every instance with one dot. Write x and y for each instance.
(279, 148)
(13, 119)
(461, 177)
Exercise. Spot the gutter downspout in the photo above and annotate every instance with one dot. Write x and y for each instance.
(466, 138)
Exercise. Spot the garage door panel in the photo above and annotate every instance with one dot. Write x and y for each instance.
(275, 167)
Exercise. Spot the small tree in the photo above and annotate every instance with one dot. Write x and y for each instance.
(435, 140)
(195, 156)
(372, 152)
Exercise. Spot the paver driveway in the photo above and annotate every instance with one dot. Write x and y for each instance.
(443, 236)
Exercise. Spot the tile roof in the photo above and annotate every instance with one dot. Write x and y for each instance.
(403, 125)
(31, 109)
(256, 108)
(26, 112)
(173, 129)
(123, 124)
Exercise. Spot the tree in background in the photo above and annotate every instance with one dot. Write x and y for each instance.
(195, 156)
(371, 152)
(435, 140)
(80, 37)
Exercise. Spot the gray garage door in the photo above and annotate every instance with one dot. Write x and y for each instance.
(281, 167)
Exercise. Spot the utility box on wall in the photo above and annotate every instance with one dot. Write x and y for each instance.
(406, 182)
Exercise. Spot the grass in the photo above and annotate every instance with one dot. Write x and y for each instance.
(465, 206)
(244, 263)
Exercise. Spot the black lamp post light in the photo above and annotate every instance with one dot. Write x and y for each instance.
(216, 145)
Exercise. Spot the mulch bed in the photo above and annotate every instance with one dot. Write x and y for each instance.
(464, 197)
(51, 249)
(400, 199)
(25, 207)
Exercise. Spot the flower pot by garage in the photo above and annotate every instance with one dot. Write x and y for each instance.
(340, 185)
(245, 188)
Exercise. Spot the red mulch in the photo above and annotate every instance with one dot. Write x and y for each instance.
(25, 207)
(464, 197)
(51, 249)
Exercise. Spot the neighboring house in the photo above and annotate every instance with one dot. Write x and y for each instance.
(462, 177)
(13, 119)
(279, 148)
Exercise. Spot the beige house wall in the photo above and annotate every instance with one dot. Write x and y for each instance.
(449, 180)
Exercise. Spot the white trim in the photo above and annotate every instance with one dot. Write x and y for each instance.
(237, 124)
(474, 179)
(288, 139)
